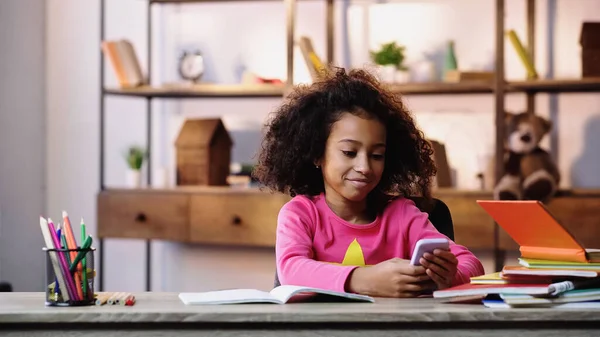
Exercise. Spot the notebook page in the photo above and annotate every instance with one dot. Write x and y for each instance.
(229, 296)
(285, 292)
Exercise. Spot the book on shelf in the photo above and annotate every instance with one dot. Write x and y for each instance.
(313, 61)
(522, 54)
(460, 76)
(538, 233)
(124, 61)
(279, 295)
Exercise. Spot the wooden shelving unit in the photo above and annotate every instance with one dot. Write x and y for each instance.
(200, 91)
(576, 208)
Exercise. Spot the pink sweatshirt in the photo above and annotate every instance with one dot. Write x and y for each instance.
(317, 248)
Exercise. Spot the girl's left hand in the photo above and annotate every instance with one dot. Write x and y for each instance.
(441, 266)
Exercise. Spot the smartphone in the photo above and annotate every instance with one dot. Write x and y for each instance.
(427, 246)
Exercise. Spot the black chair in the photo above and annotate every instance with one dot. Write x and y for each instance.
(440, 218)
(5, 287)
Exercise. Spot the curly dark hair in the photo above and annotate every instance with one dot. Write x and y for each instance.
(297, 133)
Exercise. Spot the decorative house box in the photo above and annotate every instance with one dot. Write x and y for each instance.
(203, 150)
(590, 49)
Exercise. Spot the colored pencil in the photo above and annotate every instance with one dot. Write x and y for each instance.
(83, 262)
(63, 243)
(102, 298)
(61, 259)
(77, 275)
(115, 298)
(128, 299)
(54, 259)
(72, 244)
(68, 230)
(57, 287)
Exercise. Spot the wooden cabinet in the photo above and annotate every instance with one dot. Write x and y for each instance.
(212, 215)
(226, 216)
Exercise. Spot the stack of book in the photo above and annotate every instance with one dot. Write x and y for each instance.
(554, 269)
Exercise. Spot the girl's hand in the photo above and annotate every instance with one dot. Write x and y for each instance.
(441, 266)
(391, 278)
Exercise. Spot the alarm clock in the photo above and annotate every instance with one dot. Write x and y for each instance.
(191, 66)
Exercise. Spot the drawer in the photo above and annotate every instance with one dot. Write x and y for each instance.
(143, 215)
(245, 219)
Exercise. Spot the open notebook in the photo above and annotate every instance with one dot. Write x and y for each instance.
(279, 295)
(537, 232)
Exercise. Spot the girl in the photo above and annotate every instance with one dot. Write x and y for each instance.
(349, 152)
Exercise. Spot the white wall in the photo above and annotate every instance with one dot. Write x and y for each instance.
(22, 137)
(240, 38)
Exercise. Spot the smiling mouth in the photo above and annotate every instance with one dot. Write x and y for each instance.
(359, 182)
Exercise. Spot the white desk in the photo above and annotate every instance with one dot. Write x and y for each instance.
(163, 314)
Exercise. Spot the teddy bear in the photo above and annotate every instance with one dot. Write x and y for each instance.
(529, 172)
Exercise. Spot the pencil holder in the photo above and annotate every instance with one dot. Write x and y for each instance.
(70, 276)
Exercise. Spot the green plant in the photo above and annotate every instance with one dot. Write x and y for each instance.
(135, 157)
(389, 54)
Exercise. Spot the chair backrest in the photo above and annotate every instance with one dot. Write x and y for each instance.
(440, 218)
(6, 287)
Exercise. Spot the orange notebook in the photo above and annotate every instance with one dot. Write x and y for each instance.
(537, 232)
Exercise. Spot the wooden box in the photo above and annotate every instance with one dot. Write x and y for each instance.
(203, 150)
(590, 49)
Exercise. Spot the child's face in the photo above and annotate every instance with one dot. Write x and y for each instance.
(354, 157)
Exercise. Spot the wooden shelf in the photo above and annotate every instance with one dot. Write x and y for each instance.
(541, 86)
(269, 90)
(557, 85)
(200, 90)
(440, 88)
(196, 1)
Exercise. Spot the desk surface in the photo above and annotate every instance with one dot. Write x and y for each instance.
(167, 308)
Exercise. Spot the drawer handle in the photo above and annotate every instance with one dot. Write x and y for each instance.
(141, 217)
(237, 220)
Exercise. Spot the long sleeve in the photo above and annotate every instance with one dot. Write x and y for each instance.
(295, 255)
(419, 227)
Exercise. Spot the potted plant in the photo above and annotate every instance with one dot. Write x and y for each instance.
(390, 59)
(135, 159)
